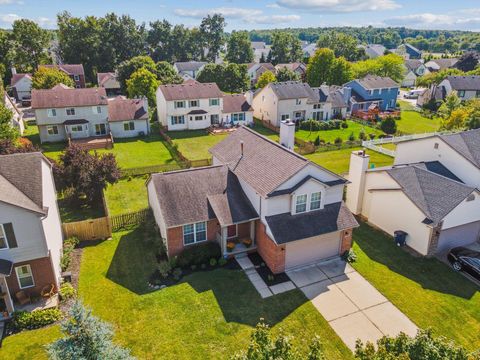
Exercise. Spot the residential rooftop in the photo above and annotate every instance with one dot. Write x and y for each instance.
(62, 96)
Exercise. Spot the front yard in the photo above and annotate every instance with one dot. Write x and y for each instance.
(329, 136)
(428, 291)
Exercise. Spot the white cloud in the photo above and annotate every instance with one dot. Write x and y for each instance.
(457, 20)
(8, 19)
(273, 6)
(273, 19)
(7, 2)
(339, 6)
(233, 13)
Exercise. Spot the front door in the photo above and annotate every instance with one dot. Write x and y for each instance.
(100, 129)
(231, 231)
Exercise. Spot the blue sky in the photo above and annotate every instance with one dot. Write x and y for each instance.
(262, 14)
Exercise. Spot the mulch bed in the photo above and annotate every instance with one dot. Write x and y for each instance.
(265, 272)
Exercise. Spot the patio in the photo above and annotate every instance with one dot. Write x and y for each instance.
(39, 304)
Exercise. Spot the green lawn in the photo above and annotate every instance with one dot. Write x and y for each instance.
(272, 135)
(429, 292)
(79, 212)
(29, 345)
(412, 122)
(209, 315)
(338, 161)
(194, 144)
(331, 135)
(128, 195)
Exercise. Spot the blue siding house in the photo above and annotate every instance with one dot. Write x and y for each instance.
(372, 91)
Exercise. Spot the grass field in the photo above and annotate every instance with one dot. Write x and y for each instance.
(412, 122)
(194, 144)
(338, 161)
(344, 134)
(428, 291)
(128, 195)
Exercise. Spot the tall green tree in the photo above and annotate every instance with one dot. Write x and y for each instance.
(341, 44)
(285, 74)
(239, 48)
(159, 41)
(319, 68)
(266, 78)
(286, 48)
(341, 72)
(231, 78)
(128, 67)
(143, 83)
(7, 131)
(166, 74)
(47, 78)
(28, 45)
(212, 33)
(390, 65)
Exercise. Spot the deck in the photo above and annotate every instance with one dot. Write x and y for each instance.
(92, 143)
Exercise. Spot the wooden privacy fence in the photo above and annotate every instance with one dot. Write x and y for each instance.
(149, 169)
(125, 220)
(94, 229)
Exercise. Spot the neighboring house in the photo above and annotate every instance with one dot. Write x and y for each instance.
(408, 51)
(189, 69)
(109, 82)
(309, 50)
(440, 64)
(21, 85)
(373, 90)
(466, 87)
(30, 228)
(374, 50)
(190, 105)
(255, 70)
(290, 208)
(236, 110)
(296, 67)
(128, 117)
(17, 115)
(297, 101)
(414, 69)
(434, 92)
(260, 48)
(75, 71)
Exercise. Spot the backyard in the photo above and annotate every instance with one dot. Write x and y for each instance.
(194, 144)
(413, 122)
(128, 195)
(329, 136)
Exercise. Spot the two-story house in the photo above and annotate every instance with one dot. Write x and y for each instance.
(373, 90)
(64, 113)
(374, 50)
(290, 208)
(466, 87)
(413, 69)
(189, 69)
(21, 85)
(30, 227)
(297, 101)
(75, 71)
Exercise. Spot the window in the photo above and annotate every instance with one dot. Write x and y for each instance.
(179, 104)
(238, 117)
(193, 103)
(97, 109)
(193, 233)
(175, 120)
(51, 112)
(52, 130)
(317, 115)
(24, 276)
(214, 102)
(285, 116)
(315, 200)
(461, 93)
(7, 236)
(77, 128)
(317, 106)
(3, 238)
(435, 146)
(76, 77)
(477, 94)
(215, 119)
(198, 117)
(301, 204)
(71, 111)
(298, 102)
(129, 125)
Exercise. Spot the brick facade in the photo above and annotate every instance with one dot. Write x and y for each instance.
(273, 254)
(175, 237)
(346, 240)
(42, 272)
(243, 230)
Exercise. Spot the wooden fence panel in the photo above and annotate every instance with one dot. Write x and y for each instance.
(94, 229)
(124, 220)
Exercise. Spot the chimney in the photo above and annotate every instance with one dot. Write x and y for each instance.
(287, 134)
(359, 161)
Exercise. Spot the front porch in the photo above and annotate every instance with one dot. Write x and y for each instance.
(237, 238)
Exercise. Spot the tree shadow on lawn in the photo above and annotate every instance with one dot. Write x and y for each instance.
(134, 261)
(429, 273)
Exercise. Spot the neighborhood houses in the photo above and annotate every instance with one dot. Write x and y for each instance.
(199, 191)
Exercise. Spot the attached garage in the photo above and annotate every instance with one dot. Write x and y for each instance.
(458, 236)
(311, 250)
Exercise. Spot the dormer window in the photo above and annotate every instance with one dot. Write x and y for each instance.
(301, 204)
(315, 201)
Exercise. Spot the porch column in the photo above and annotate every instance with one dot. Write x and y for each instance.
(223, 238)
(6, 294)
(252, 232)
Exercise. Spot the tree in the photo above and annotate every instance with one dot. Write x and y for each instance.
(85, 174)
(457, 120)
(264, 347)
(388, 125)
(319, 68)
(7, 131)
(473, 120)
(262, 58)
(239, 48)
(390, 65)
(285, 74)
(436, 77)
(266, 78)
(285, 48)
(128, 67)
(166, 74)
(28, 46)
(9, 146)
(47, 78)
(341, 72)
(159, 41)
(450, 103)
(230, 78)
(468, 61)
(421, 347)
(341, 44)
(143, 83)
(86, 337)
(211, 30)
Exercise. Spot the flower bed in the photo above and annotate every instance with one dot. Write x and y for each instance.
(265, 272)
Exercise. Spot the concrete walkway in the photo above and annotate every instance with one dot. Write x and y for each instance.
(350, 304)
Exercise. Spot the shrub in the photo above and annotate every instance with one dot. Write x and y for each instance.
(372, 136)
(349, 256)
(67, 291)
(344, 125)
(213, 262)
(351, 137)
(222, 262)
(164, 269)
(68, 246)
(388, 125)
(315, 125)
(199, 254)
(317, 141)
(362, 135)
(338, 141)
(36, 319)
(177, 273)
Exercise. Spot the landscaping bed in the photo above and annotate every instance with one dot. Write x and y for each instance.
(264, 271)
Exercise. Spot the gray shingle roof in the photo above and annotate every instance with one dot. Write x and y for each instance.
(190, 90)
(434, 195)
(467, 143)
(445, 63)
(184, 196)
(292, 90)
(413, 64)
(21, 180)
(332, 218)
(464, 82)
(189, 65)
(377, 82)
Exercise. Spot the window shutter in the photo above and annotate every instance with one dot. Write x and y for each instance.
(11, 240)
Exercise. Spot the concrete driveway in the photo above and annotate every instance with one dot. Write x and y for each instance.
(351, 305)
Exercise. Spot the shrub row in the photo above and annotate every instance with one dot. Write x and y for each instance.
(198, 254)
(68, 246)
(315, 125)
(36, 319)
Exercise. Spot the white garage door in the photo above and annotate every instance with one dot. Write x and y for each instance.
(304, 252)
(458, 236)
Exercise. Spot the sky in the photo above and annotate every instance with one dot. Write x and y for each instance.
(261, 14)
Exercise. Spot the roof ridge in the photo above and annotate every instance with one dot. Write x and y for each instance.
(189, 169)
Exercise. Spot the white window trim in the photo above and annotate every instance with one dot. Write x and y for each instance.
(128, 123)
(295, 203)
(51, 111)
(308, 203)
(195, 241)
(179, 102)
(97, 109)
(192, 106)
(31, 275)
(71, 108)
(51, 127)
(210, 102)
(2, 230)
